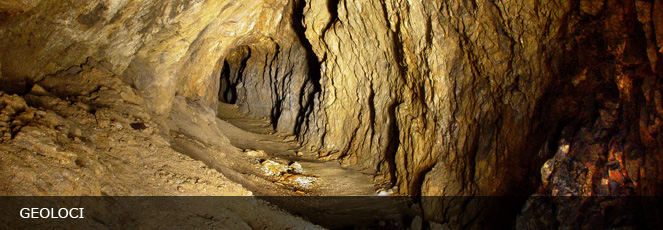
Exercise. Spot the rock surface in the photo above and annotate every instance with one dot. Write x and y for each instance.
(458, 98)
(606, 141)
(447, 91)
(160, 48)
(78, 134)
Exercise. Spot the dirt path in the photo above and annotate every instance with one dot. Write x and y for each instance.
(257, 134)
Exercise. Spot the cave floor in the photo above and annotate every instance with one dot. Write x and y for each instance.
(332, 179)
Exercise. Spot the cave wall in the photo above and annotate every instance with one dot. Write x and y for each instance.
(270, 79)
(610, 102)
(161, 48)
(458, 98)
(608, 112)
(441, 95)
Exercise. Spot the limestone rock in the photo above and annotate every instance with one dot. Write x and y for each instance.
(383, 193)
(416, 224)
(272, 168)
(154, 54)
(300, 182)
(255, 153)
(296, 168)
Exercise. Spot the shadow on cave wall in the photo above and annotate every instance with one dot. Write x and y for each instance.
(274, 77)
(232, 73)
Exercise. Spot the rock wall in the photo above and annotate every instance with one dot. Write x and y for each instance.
(458, 98)
(608, 109)
(85, 134)
(440, 95)
(266, 79)
(161, 48)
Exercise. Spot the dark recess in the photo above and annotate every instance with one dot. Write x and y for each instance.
(306, 100)
(232, 74)
(227, 93)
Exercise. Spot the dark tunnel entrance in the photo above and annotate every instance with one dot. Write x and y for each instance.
(231, 74)
(227, 91)
(269, 80)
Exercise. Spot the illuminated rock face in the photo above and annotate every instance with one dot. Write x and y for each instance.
(161, 48)
(439, 98)
(472, 97)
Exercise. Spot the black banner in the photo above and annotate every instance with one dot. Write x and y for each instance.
(370, 212)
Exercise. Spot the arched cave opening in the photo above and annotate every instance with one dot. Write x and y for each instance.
(232, 72)
(268, 79)
(227, 91)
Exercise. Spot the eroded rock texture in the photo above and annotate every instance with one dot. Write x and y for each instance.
(161, 48)
(83, 132)
(457, 97)
(265, 79)
(441, 95)
(608, 105)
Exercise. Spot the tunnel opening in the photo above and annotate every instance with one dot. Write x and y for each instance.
(271, 78)
(232, 73)
(227, 92)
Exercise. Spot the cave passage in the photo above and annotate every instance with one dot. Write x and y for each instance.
(537, 101)
(232, 73)
(227, 90)
(337, 197)
(261, 75)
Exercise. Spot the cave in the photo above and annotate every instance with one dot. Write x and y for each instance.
(314, 114)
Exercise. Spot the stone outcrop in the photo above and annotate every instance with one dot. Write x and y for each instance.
(608, 112)
(442, 98)
(446, 91)
(457, 98)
